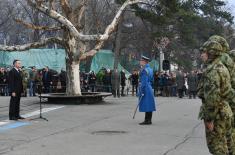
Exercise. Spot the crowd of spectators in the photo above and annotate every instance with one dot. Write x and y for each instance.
(166, 84)
(176, 83)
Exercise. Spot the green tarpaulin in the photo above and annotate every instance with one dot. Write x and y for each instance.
(55, 59)
(104, 59)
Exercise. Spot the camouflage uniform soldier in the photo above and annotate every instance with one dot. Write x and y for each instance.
(24, 76)
(228, 60)
(225, 57)
(232, 54)
(215, 91)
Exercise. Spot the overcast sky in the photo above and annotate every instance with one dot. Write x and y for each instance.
(231, 4)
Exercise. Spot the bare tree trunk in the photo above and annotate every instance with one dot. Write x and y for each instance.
(73, 78)
(72, 67)
(117, 48)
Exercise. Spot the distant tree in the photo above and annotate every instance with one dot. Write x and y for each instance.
(187, 24)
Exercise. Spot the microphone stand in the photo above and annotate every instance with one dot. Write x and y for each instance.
(40, 103)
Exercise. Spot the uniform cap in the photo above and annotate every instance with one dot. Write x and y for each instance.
(212, 47)
(222, 42)
(145, 58)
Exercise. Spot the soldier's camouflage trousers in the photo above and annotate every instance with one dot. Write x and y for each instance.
(220, 141)
(233, 130)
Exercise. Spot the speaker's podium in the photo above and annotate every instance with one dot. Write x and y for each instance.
(166, 65)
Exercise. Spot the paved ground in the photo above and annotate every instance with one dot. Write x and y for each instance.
(87, 129)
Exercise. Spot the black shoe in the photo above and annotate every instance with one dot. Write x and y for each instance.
(13, 119)
(145, 123)
(21, 117)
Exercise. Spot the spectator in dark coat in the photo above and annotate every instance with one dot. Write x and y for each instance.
(115, 79)
(173, 86)
(155, 83)
(47, 80)
(134, 82)
(32, 81)
(92, 81)
(192, 84)
(160, 83)
(3, 82)
(62, 78)
(165, 84)
(180, 81)
(107, 81)
(123, 82)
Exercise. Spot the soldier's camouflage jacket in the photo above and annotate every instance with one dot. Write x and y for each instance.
(215, 90)
(230, 65)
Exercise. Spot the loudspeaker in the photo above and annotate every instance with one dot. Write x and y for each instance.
(166, 65)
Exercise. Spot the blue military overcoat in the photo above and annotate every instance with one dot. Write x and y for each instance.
(146, 102)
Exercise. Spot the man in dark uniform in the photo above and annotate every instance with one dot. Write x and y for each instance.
(15, 89)
(145, 94)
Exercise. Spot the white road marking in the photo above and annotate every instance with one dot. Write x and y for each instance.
(34, 113)
(44, 110)
(4, 122)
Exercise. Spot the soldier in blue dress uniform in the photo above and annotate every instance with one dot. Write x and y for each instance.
(145, 93)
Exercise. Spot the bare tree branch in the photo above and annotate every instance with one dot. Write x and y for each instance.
(110, 29)
(66, 7)
(81, 13)
(26, 10)
(58, 17)
(32, 45)
(52, 4)
(63, 20)
(35, 27)
(78, 13)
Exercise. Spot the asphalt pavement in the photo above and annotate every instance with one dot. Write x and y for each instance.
(105, 128)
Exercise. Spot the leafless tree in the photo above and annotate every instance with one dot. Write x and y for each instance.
(70, 16)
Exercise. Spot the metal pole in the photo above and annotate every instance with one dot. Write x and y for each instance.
(161, 58)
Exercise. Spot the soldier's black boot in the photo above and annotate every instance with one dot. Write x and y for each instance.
(148, 119)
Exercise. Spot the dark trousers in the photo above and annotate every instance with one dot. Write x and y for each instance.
(32, 88)
(14, 110)
(148, 117)
(122, 91)
(192, 93)
(108, 88)
(92, 87)
(134, 89)
(2, 90)
(180, 93)
(47, 88)
(116, 93)
(155, 90)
